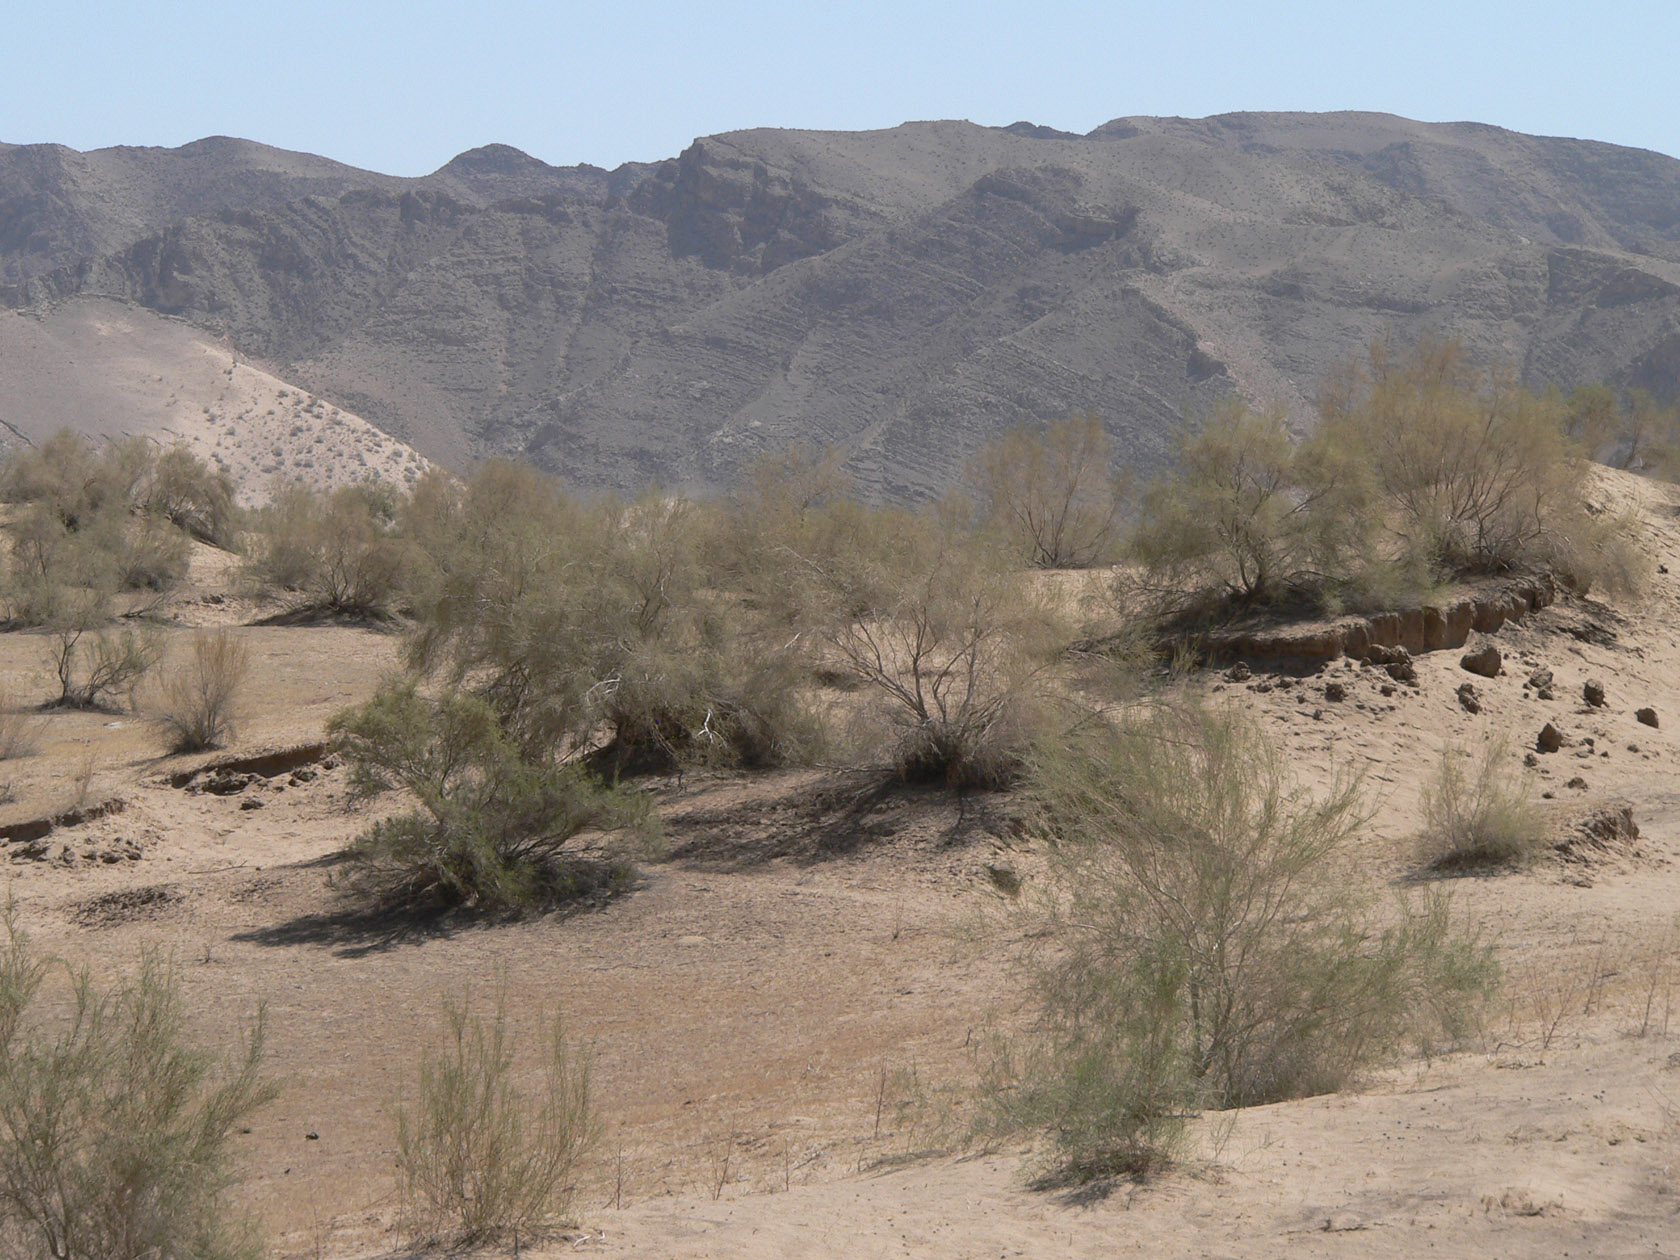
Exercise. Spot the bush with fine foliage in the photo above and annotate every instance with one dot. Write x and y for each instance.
(115, 1126)
(479, 1160)
(949, 641)
(333, 554)
(1053, 492)
(491, 828)
(601, 630)
(1479, 815)
(197, 707)
(1210, 952)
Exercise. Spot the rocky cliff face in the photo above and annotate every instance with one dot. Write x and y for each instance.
(903, 294)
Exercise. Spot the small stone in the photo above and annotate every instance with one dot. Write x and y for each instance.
(1468, 699)
(1484, 660)
(1578, 783)
(1593, 693)
(1550, 739)
(1540, 679)
(1388, 689)
(1648, 717)
(1335, 692)
(1633, 748)
(1239, 672)
(1402, 671)
(251, 802)
(1545, 693)
(1530, 760)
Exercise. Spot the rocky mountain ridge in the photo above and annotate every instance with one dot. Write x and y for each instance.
(903, 294)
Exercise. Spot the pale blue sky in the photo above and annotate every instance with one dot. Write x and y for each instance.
(402, 87)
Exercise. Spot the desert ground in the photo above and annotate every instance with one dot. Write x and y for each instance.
(785, 1015)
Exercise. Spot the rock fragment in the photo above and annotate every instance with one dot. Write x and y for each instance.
(1593, 693)
(1484, 660)
(1468, 700)
(1550, 739)
(1647, 716)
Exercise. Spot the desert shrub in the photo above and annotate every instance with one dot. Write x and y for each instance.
(1054, 492)
(602, 630)
(1209, 951)
(197, 706)
(20, 732)
(491, 828)
(76, 480)
(478, 1159)
(952, 644)
(84, 524)
(94, 662)
(1478, 816)
(1476, 471)
(115, 1125)
(334, 554)
(195, 498)
(148, 552)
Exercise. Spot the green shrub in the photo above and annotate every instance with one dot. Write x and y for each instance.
(492, 828)
(114, 1126)
(1210, 953)
(1475, 471)
(478, 1160)
(1481, 817)
(197, 707)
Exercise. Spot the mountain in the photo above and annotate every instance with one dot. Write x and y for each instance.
(904, 294)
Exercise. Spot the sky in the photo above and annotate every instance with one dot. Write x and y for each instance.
(403, 87)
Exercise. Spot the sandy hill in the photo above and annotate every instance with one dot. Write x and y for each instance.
(904, 294)
(110, 369)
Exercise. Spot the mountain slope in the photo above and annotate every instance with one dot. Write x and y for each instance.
(904, 294)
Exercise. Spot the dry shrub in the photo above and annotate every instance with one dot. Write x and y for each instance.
(951, 644)
(195, 498)
(1209, 951)
(89, 519)
(331, 555)
(478, 1159)
(197, 709)
(20, 732)
(1054, 493)
(114, 1125)
(607, 631)
(95, 663)
(1481, 817)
